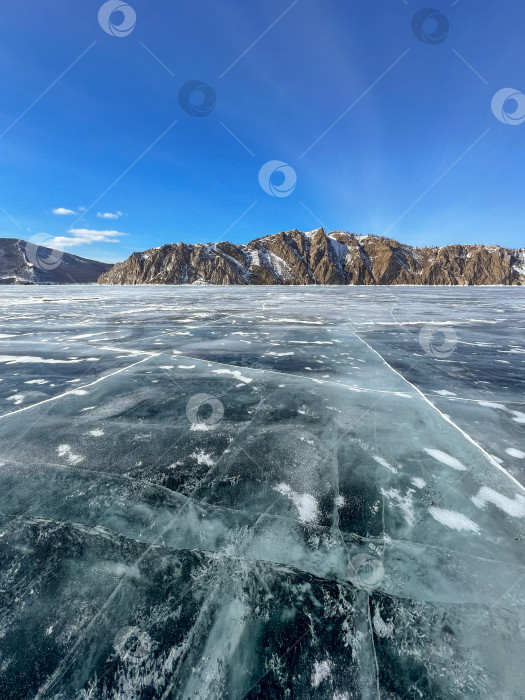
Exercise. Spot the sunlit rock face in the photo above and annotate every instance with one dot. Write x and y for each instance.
(262, 493)
(297, 258)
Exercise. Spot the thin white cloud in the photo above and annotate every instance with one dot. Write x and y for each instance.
(84, 236)
(63, 212)
(109, 215)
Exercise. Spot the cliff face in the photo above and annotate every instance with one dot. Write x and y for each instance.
(18, 258)
(301, 258)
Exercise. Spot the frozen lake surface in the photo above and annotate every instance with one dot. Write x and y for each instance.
(262, 493)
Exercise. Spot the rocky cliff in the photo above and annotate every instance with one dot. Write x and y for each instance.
(315, 257)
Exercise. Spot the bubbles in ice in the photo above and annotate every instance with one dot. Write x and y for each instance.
(203, 458)
(306, 504)
(382, 628)
(97, 432)
(67, 452)
(404, 503)
(322, 671)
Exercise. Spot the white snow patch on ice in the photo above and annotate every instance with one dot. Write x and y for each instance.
(453, 519)
(17, 399)
(511, 506)
(295, 320)
(491, 404)
(514, 452)
(385, 464)
(311, 342)
(201, 426)
(447, 459)
(236, 374)
(518, 417)
(31, 359)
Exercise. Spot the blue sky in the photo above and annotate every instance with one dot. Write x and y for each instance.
(420, 156)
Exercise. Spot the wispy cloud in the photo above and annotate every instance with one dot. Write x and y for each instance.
(85, 236)
(60, 211)
(109, 215)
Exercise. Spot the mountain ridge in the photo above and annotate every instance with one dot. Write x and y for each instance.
(315, 257)
(26, 263)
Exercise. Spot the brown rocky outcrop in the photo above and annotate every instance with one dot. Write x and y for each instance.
(338, 258)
